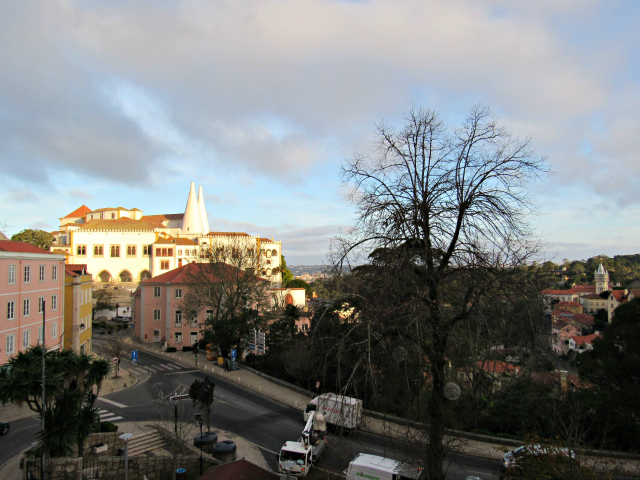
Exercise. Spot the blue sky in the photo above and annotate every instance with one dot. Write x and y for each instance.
(260, 101)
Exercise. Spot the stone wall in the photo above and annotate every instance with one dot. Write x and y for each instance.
(112, 468)
(110, 439)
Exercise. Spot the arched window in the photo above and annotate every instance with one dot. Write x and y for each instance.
(144, 274)
(104, 276)
(274, 252)
(268, 272)
(288, 300)
(125, 276)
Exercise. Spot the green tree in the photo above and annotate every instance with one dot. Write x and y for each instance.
(201, 392)
(614, 366)
(39, 238)
(299, 283)
(287, 276)
(442, 218)
(69, 378)
(103, 300)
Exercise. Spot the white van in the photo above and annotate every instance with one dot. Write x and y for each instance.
(373, 467)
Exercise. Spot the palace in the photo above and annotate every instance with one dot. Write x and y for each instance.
(122, 247)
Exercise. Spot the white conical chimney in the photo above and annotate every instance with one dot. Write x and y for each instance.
(192, 221)
(203, 212)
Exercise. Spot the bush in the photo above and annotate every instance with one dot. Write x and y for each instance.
(108, 427)
(187, 348)
(171, 349)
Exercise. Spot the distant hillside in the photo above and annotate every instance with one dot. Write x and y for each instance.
(298, 270)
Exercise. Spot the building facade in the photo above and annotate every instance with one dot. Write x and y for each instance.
(31, 286)
(121, 246)
(78, 309)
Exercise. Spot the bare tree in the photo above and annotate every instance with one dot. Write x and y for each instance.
(228, 289)
(442, 216)
(117, 345)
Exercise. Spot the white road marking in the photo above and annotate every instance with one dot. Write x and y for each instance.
(112, 402)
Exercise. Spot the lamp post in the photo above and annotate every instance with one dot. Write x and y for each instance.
(44, 403)
(126, 438)
(199, 422)
(117, 307)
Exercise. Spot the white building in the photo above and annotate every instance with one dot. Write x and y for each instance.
(121, 246)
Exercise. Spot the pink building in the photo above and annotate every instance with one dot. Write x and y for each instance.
(31, 282)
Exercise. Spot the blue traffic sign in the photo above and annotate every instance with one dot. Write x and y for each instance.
(134, 356)
(234, 355)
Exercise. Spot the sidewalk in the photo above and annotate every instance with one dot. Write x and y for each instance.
(291, 396)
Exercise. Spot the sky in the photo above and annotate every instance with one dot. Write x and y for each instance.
(126, 103)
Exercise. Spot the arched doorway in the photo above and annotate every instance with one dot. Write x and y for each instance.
(288, 300)
(125, 276)
(104, 276)
(144, 275)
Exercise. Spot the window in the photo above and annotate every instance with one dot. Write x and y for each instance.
(11, 343)
(131, 250)
(12, 275)
(193, 338)
(113, 215)
(98, 250)
(26, 337)
(179, 253)
(43, 271)
(40, 332)
(54, 330)
(81, 250)
(54, 272)
(115, 250)
(164, 265)
(26, 306)
(156, 292)
(146, 250)
(178, 293)
(27, 274)
(54, 302)
(209, 315)
(178, 337)
(11, 310)
(40, 304)
(178, 318)
(156, 314)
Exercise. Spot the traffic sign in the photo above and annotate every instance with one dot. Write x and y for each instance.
(179, 398)
(115, 359)
(134, 356)
(234, 355)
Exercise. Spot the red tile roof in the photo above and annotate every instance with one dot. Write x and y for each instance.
(227, 234)
(78, 212)
(156, 220)
(238, 470)
(585, 339)
(193, 272)
(557, 292)
(568, 304)
(120, 224)
(74, 270)
(583, 289)
(20, 247)
(584, 319)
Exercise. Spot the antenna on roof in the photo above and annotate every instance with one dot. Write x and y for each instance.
(3, 228)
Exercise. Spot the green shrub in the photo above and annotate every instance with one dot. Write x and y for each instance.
(108, 427)
(171, 349)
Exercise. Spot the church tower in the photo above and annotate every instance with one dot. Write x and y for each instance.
(203, 212)
(192, 220)
(601, 279)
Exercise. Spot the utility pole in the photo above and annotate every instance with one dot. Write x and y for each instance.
(42, 427)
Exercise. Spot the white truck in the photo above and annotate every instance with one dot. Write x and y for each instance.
(373, 467)
(297, 458)
(338, 410)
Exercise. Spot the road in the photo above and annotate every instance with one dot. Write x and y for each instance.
(262, 421)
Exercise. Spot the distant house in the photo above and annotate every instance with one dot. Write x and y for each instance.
(78, 308)
(494, 371)
(561, 332)
(581, 344)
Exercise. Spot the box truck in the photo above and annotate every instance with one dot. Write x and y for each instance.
(297, 458)
(373, 467)
(338, 410)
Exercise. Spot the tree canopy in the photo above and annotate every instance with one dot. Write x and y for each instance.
(441, 226)
(201, 392)
(287, 276)
(299, 283)
(39, 238)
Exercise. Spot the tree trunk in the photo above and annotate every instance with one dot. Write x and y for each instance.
(435, 414)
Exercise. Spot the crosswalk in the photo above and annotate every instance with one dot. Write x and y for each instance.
(106, 416)
(161, 367)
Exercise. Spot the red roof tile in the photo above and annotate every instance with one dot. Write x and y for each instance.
(585, 339)
(191, 271)
(119, 224)
(20, 247)
(568, 304)
(79, 212)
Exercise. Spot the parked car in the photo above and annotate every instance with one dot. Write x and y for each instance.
(4, 428)
(510, 459)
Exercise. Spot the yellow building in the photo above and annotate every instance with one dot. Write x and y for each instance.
(78, 286)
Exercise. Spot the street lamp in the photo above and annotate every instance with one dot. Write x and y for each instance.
(199, 422)
(117, 307)
(126, 438)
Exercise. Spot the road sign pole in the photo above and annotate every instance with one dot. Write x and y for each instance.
(176, 418)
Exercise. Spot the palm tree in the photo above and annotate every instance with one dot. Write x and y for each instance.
(69, 377)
